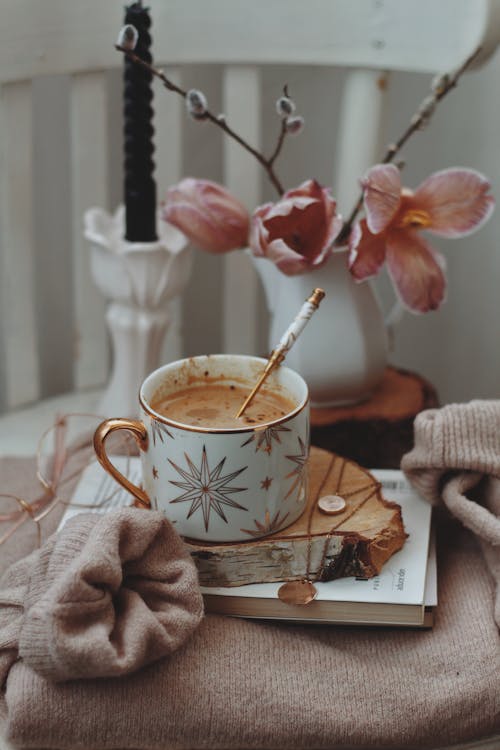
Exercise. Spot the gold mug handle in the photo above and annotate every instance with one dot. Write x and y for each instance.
(140, 436)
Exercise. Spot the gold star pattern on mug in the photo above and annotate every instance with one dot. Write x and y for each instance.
(207, 489)
(299, 473)
(263, 437)
(159, 431)
(268, 525)
(155, 472)
(266, 483)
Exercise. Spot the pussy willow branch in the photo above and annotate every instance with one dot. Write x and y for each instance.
(417, 122)
(221, 123)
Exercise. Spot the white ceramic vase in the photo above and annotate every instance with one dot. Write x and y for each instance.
(342, 353)
(139, 280)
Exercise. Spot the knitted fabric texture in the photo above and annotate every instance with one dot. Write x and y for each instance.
(240, 684)
(456, 460)
(104, 597)
(13, 587)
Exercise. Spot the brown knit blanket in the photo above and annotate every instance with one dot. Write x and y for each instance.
(239, 684)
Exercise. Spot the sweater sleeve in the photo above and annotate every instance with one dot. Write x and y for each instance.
(13, 587)
(120, 591)
(456, 438)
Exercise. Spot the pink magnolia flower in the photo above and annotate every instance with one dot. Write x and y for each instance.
(298, 231)
(450, 203)
(207, 214)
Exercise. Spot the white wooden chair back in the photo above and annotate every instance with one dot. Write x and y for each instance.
(59, 155)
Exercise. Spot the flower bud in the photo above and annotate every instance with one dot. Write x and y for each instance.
(128, 37)
(208, 214)
(294, 125)
(439, 83)
(285, 107)
(196, 104)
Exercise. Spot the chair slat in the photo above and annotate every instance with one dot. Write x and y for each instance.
(78, 36)
(89, 173)
(169, 111)
(357, 146)
(242, 175)
(17, 279)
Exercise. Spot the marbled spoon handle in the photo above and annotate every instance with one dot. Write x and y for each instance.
(288, 339)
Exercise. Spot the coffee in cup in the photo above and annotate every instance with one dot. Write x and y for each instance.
(216, 405)
(219, 478)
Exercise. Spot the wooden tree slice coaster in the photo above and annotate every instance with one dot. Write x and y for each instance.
(355, 542)
(379, 431)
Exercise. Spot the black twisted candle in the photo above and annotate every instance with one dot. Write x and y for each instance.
(140, 187)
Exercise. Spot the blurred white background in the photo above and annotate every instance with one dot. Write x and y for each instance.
(456, 348)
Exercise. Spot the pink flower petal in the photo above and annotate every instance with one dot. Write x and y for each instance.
(286, 205)
(201, 231)
(382, 195)
(309, 188)
(259, 235)
(366, 252)
(416, 269)
(287, 260)
(208, 214)
(225, 206)
(456, 200)
(335, 225)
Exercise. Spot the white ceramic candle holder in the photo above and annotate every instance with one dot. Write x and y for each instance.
(139, 279)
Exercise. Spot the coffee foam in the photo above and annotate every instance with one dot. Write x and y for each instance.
(192, 372)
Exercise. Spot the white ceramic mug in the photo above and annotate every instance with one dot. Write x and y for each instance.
(219, 484)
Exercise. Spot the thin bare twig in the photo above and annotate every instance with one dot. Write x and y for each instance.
(279, 145)
(419, 119)
(267, 163)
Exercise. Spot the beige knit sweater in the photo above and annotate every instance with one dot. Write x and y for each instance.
(239, 684)
(106, 596)
(456, 461)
